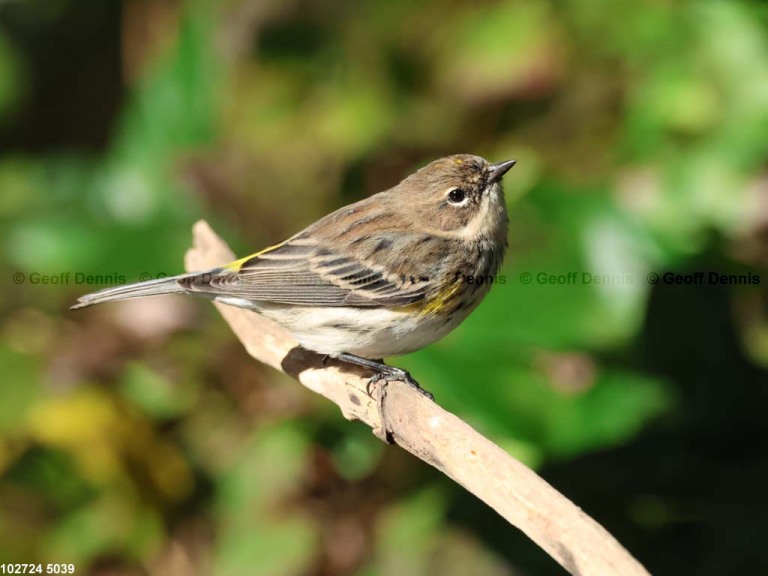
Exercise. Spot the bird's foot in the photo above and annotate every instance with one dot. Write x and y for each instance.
(384, 373)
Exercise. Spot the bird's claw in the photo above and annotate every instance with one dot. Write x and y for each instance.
(398, 375)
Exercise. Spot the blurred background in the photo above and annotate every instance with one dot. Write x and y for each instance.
(140, 438)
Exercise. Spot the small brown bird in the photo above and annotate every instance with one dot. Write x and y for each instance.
(382, 277)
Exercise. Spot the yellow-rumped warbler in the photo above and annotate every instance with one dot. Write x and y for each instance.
(382, 277)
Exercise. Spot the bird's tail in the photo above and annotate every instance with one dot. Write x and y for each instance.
(172, 285)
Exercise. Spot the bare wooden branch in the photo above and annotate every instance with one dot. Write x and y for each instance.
(437, 437)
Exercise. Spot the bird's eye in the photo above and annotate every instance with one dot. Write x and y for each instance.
(457, 196)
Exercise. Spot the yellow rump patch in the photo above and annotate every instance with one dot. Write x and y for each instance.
(237, 265)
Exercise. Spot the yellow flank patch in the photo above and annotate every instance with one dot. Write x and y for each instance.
(238, 264)
(435, 304)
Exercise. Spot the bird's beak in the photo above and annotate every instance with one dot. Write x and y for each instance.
(498, 170)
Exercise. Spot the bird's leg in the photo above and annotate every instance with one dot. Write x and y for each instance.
(382, 372)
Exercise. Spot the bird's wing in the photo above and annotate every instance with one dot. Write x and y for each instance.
(301, 272)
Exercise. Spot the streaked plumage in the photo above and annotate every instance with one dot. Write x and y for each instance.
(382, 277)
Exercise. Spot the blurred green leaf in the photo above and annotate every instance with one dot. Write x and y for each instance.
(255, 537)
(154, 393)
(357, 453)
(20, 389)
(13, 78)
(106, 525)
(407, 533)
(275, 546)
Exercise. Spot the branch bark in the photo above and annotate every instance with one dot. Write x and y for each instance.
(437, 437)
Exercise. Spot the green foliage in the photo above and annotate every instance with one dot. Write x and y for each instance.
(141, 435)
(254, 530)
